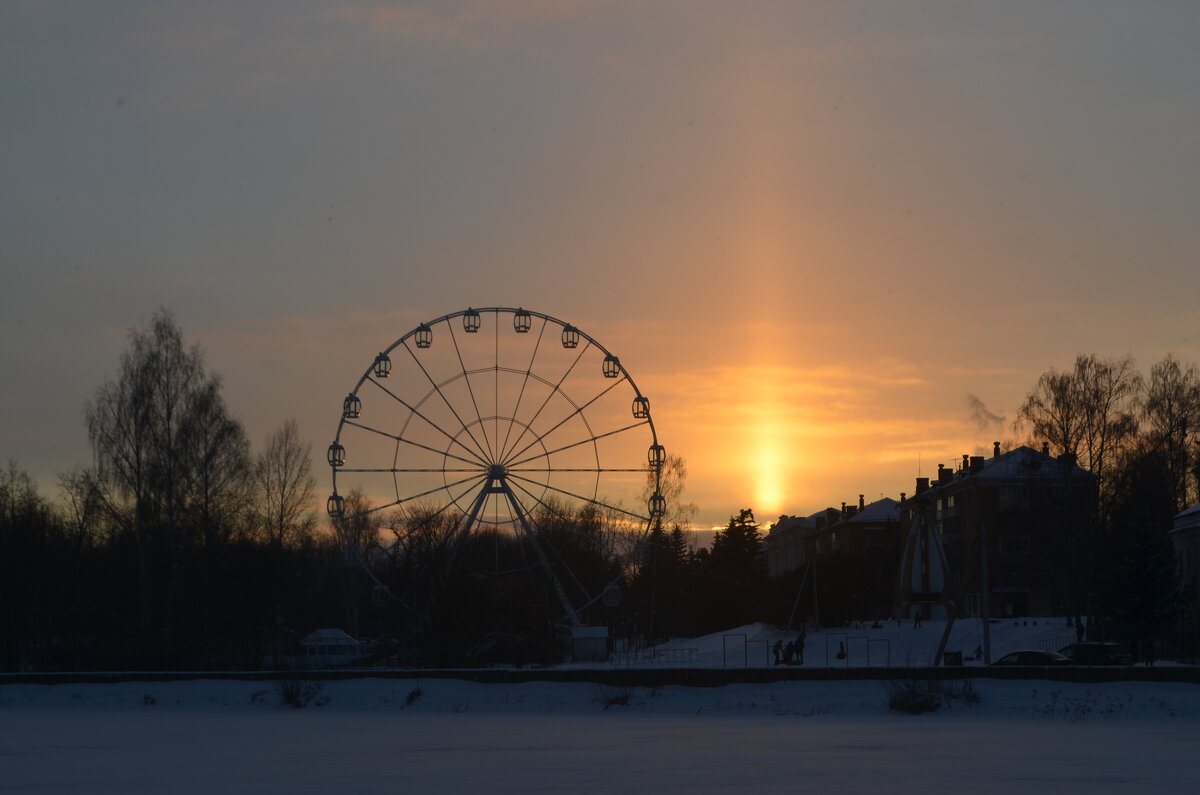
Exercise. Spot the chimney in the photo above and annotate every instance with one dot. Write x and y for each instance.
(1068, 459)
(944, 474)
(861, 504)
(1045, 448)
(843, 508)
(995, 449)
(966, 461)
(902, 496)
(922, 484)
(976, 464)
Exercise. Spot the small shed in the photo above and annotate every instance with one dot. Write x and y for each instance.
(589, 644)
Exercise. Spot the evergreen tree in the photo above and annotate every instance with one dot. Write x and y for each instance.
(1143, 595)
(735, 574)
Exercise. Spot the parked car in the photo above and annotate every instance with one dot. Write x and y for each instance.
(1097, 654)
(1039, 657)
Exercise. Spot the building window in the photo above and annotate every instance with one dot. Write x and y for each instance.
(1013, 498)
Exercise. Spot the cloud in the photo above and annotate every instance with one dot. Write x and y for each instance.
(979, 414)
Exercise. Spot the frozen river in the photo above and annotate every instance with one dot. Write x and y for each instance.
(377, 736)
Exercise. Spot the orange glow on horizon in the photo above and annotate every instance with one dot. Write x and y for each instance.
(769, 472)
(768, 246)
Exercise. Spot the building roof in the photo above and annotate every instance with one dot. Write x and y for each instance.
(792, 524)
(882, 510)
(1188, 512)
(1188, 519)
(1022, 463)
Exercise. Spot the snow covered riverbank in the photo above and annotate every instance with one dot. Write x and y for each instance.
(445, 735)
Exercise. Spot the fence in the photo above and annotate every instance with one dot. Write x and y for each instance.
(859, 650)
(754, 653)
(656, 656)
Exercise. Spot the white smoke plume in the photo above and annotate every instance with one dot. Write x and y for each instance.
(978, 413)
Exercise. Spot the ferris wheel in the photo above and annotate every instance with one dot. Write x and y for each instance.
(498, 419)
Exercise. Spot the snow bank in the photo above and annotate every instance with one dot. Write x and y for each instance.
(413, 697)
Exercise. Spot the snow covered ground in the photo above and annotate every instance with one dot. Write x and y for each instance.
(893, 644)
(444, 735)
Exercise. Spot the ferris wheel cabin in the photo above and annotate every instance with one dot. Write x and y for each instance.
(470, 321)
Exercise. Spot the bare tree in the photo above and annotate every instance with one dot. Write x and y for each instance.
(358, 531)
(671, 482)
(83, 501)
(1089, 412)
(147, 429)
(19, 498)
(1171, 417)
(283, 474)
(218, 465)
(360, 528)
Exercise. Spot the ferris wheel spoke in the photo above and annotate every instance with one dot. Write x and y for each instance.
(444, 487)
(478, 455)
(524, 382)
(470, 389)
(506, 453)
(568, 469)
(454, 499)
(578, 412)
(409, 470)
(593, 438)
(394, 437)
(580, 497)
(496, 373)
(438, 388)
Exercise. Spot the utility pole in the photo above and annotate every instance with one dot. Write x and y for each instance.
(985, 598)
(799, 593)
(816, 610)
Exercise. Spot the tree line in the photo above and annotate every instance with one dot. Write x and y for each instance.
(183, 547)
(179, 546)
(1140, 436)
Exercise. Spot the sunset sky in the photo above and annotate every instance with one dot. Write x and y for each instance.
(810, 230)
